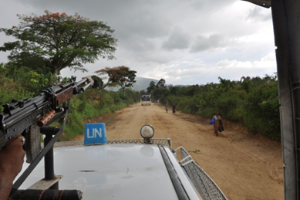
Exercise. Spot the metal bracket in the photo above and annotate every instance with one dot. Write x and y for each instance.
(45, 184)
(188, 162)
(186, 158)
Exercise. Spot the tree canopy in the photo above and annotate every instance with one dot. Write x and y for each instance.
(57, 41)
(161, 83)
(121, 76)
(151, 87)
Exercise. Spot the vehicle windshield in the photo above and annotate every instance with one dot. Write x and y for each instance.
(145, 98)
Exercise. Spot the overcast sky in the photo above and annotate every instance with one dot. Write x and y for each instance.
(183, 41)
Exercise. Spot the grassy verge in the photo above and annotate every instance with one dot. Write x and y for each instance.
(20, 83)
(83, 109)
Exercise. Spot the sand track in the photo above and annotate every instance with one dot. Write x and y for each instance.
(243, 166)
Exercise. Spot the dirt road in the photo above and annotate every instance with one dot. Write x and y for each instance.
(243, 166)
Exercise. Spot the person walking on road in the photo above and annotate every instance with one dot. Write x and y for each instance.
(166, 107)
(174, 108)
(217, 123)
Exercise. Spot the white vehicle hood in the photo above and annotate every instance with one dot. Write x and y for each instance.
(121, 171)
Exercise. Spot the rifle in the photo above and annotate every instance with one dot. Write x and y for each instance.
(31, 117)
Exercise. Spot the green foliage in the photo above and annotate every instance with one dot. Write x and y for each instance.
(230, 104)
(117, 76)
(159, 92)
(161, 83)
(57, 41)
(90, 105)
(3, 70)
(10, 89)
(174, 90)
(264, 115)
(250, 101)
(33, 81)
(151, 87)
(19, 83)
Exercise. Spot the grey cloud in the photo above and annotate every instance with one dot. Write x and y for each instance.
(204, 43)
(136, 44)
(259, 14)
(178, 39)
(143, 26)
(134, 21)
(210, 5)
(157, 58)
(135, 16)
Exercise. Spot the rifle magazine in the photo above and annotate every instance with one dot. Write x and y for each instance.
(33, 143)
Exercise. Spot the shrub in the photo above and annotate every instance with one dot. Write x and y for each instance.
(251, 101)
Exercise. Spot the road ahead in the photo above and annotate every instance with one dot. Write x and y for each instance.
(243, 166)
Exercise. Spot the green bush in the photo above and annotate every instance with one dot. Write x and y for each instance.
(84, 106)
(263, 111)
(250, 101)
(10, 89)
(18, 83)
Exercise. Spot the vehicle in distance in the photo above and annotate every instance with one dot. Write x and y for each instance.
(127, 169)
(146, 100)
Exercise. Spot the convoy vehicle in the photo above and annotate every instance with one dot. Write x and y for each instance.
(146, 100)
(144, 168)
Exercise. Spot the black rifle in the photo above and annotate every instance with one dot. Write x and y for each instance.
(30, 117)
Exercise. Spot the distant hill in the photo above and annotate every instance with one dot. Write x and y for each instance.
(141, 84)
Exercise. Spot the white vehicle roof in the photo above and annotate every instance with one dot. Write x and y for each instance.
(120, 171)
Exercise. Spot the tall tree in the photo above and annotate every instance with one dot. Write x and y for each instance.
(121, 76)
(151, 87)
(161, 83)
(58, 41)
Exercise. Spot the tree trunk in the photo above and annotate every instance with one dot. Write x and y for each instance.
(55, 72)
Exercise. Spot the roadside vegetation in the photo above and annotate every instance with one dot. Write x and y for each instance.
(94, 103)
(252, 102)
(23, 83)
